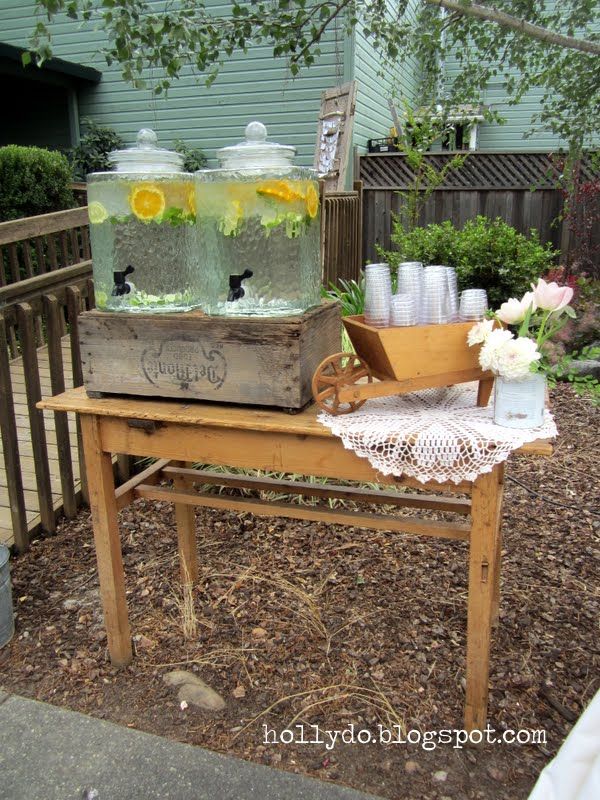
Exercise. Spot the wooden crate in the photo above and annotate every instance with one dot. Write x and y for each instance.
(191, 356)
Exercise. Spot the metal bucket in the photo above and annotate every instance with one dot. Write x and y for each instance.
(7, 623)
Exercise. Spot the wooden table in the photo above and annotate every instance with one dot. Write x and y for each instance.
(246, 437)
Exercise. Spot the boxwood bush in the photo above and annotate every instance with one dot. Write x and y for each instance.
(33, 181)
(487, 254)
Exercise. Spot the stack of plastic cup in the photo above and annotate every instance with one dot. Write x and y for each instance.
(436, 298)
(452, 293)
(473, 305)
(410, 281)
(403, 310)
(378, 294)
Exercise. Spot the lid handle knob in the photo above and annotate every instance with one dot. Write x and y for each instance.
(255, 132)
(147, 139)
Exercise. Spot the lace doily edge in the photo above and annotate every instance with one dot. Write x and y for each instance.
(470, 477)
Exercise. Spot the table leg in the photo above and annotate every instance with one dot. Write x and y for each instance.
(484, 391)
(483, 579)
(496, 599)
(185, 518)
(101, 490)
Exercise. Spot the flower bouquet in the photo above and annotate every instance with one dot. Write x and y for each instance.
(514, 351)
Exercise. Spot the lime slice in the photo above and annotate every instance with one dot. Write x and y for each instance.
(97, 212)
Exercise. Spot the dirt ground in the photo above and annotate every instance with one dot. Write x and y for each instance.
(307, 623)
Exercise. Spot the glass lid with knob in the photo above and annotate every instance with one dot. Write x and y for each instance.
(146, 156)
(255, 152)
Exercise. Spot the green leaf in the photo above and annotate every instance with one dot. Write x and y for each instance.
(26, 58)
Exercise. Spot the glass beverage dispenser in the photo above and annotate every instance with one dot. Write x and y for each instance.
(142, 230)
(259, 230)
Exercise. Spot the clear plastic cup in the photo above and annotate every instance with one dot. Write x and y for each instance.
(473, 305)
(403, 310)
(378, 293)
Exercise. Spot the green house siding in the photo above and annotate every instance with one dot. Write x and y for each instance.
(520, 130)
(518, 120)
(250, 86)
(377, 83)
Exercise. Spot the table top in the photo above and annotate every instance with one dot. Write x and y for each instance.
(214, 415)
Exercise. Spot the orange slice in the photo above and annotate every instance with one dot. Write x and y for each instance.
(280, 190)
(147, 201)
(312, 201)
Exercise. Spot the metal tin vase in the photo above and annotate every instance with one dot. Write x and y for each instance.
(7, 624)
(520, 404)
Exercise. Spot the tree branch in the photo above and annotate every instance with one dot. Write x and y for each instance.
(337, 9)
(520, 25)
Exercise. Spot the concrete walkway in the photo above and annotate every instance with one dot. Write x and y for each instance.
(49, 753)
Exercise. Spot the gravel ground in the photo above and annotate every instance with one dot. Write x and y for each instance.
(296, 622)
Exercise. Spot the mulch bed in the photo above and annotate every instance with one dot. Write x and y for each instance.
(306, 623)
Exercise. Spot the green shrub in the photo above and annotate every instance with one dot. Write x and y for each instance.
(350, 295)
(193, 157)
(91, 154)
(33, 181)
(487, 254)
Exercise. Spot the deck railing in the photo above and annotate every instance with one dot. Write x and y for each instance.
(342, 239)
(35, 246)
(49, 304)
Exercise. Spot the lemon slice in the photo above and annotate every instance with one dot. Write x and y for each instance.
(147, 201)
(312, 201)
(97, 213)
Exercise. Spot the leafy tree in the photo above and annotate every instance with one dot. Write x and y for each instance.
(416, 140)
(552, 44)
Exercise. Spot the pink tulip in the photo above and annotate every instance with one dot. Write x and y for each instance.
(551, 296)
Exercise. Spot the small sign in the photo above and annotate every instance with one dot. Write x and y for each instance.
(184, 364)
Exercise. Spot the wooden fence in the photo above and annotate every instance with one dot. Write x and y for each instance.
(518, 187)
(342, 239)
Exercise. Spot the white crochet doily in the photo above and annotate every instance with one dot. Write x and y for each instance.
(432, 435)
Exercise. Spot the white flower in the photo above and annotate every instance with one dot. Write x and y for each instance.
(488, 353)
(515, 357)
(480, 332)
(514, 311)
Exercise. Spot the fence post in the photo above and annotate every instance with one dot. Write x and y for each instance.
(358, 188)
(73, 310)
(10, 446)
(36, 417)
(54, 327)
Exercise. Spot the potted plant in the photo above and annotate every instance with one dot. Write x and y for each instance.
(514, 351)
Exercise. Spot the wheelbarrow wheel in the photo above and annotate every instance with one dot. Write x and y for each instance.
(334, 373)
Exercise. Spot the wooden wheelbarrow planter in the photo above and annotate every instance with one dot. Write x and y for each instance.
(402, 359)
